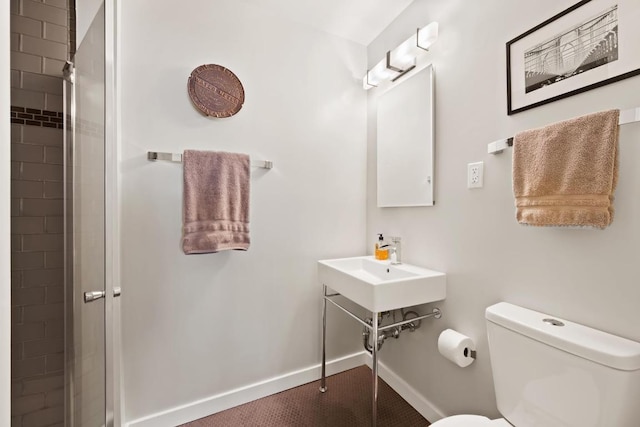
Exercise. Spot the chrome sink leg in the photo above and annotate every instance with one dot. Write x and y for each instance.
(374, 370)
(323, 380)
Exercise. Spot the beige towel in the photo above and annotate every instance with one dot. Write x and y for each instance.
(565, 174)
(216, 201)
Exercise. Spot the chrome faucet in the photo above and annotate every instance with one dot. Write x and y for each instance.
(395, 250)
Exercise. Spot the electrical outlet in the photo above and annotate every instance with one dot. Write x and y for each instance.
(475, 172)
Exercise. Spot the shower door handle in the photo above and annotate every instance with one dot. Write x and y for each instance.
(94, 295)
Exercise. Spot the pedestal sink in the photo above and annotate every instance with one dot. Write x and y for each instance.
(377, 286)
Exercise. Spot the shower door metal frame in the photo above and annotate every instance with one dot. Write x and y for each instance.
(113, 407)
(112, 229)
(69, 105)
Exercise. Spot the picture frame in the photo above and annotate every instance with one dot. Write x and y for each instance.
(591, 44)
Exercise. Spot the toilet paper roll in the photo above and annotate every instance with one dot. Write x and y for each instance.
(458, 348)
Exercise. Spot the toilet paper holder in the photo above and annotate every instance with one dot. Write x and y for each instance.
(457, 348)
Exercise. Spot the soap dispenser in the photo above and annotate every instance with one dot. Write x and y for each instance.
(381, 252)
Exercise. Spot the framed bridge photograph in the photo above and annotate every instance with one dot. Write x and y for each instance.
(591, 44)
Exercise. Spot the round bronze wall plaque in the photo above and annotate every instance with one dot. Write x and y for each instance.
(215, 90)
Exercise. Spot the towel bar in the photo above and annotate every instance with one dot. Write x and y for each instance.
(176, 157)
(626, 116)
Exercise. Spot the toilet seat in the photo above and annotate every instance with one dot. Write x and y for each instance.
(470, 421)
(463, 421)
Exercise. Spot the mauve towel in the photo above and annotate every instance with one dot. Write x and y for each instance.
(216, 201)
(565, 174)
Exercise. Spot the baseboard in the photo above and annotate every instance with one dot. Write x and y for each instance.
(220, 402)
(421, 404)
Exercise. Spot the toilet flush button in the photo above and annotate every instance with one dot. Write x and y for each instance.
(554, 322)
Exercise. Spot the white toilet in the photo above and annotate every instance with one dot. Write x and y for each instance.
(554, 373)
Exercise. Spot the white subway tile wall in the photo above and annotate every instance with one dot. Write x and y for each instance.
(39, 34)
(42, 47)
(57, 3)
(24, 25)
(15, 78)
(56, 32)
(40, 43)
(43, 12)
(53, 102)
(24, 62)
(15, 42)
(37, 275)
(27, 98)
(52, 66)
(42, 83)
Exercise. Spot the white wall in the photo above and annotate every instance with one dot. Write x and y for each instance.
(198, 325)
(583, 275)
(5, 257)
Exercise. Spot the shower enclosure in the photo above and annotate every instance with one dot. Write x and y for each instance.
(89, 291)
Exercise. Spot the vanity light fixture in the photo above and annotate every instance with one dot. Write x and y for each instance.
(402, 59)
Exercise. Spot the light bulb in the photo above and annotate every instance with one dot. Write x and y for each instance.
(380, 73)
(402, 57)
(365, 82)
(428, 35)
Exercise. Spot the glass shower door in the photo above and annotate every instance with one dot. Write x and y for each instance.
(85, 233)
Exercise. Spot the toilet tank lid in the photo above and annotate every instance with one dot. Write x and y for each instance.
(583, 341)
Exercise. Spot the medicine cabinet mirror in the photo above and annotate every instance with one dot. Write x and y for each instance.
(405, 141)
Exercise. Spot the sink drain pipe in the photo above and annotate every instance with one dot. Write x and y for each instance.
(393, 331)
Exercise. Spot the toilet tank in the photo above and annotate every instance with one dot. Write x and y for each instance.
(549, 372)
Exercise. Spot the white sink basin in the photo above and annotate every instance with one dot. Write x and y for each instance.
(380, 286)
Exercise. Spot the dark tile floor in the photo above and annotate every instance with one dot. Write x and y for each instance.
(347, 402)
